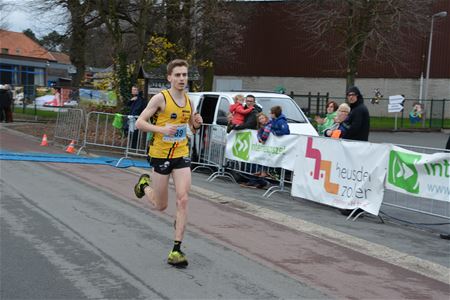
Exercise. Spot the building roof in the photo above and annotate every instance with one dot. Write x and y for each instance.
(17, 44)
(61, 58)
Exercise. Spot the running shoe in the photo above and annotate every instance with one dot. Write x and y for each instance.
(177, 259)
(139, 187)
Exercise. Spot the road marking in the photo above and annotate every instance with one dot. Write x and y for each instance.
(386, 254)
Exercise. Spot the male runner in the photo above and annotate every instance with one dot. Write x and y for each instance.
(171, 112)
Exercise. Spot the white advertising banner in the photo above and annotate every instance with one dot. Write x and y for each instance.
(277, 152)
(340, 173)
(418, 174)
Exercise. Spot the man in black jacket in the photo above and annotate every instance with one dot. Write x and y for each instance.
(250, 122)
(136, 104)
(250, 119)
(357, 125)
(358, 122)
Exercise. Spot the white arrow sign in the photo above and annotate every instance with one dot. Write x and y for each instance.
(396, 99)
(395, 108)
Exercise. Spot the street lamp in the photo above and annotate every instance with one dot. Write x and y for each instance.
(436, 15)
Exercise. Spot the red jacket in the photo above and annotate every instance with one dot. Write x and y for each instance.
(239, 112)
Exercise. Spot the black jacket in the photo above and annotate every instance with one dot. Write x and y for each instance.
(250, 119)
(358, 122)
(5, 98)
(137, 106)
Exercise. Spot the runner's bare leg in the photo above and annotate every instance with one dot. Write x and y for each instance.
(158, 194)
(182, 180)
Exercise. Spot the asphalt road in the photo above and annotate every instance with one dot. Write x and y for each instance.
(72, 231)
(436, 140)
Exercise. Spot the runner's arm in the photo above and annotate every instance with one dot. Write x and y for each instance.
(195, 121)
(156, 103)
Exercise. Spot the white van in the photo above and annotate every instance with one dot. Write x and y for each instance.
(214, 107)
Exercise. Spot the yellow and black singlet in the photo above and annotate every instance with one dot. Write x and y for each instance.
(173, 146)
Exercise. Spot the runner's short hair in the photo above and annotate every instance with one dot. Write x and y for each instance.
(176, 63)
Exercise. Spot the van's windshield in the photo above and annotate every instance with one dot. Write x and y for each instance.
(289, 108)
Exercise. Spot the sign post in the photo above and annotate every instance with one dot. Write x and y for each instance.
(395, 106)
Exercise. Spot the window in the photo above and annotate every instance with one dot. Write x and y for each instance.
(5, 50)
(287, 106)
(224, 108)
(222, 111)
(39, 76)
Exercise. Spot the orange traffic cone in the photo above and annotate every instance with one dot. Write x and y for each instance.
(44, 140)
(71, 147)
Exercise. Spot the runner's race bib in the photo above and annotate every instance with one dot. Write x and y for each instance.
(179, 136)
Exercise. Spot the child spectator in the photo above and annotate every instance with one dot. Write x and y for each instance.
(279, 122)
(339, 127)
(264, 127)
(239, 111)
(328, 121)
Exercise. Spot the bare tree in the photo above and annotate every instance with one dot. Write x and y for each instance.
(356, 30)
(207, 31)
(77, 17)
(5, 9)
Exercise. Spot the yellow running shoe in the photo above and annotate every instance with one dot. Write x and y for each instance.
(144, 180)
(177, 259)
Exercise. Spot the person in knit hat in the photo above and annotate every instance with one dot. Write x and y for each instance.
(358, 122)
(356, 125)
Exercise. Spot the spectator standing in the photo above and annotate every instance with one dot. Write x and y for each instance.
(137, 105)
(328, 121)
(250, 119)
(279, 122)
(238, 110)
(250, 122)
(5, 104)
(357, 125)
(279, 127)
(358, 122)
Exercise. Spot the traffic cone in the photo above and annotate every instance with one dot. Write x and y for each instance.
(71, 147)
(44, 140)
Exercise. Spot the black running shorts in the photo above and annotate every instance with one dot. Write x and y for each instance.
(165, 166)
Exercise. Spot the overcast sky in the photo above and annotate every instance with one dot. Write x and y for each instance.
(21, 16)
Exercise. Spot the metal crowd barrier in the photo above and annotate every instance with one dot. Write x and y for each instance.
(207, 148)
(68, 124)
(100, 132)
(209, 151)
(137, 141)
(427, 206)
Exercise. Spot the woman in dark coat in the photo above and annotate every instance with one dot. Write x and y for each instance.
(5, 104)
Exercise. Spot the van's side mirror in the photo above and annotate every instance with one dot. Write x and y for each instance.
(222, 121)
